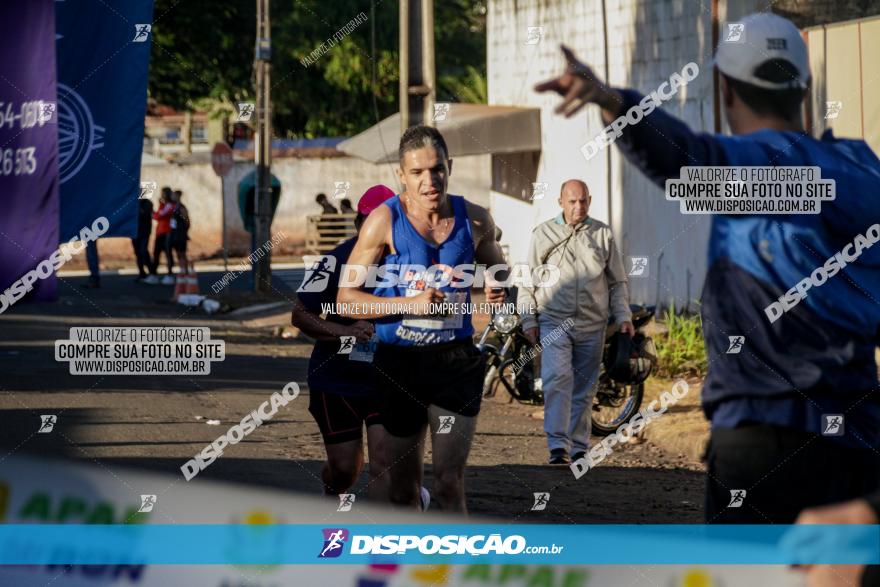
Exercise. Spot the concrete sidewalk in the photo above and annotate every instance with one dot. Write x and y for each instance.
(120, 296)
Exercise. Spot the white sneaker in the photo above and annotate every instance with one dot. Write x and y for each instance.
(424, 498)
(151, 279)
(168, 280)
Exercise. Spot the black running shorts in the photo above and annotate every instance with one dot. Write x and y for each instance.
(411, 378)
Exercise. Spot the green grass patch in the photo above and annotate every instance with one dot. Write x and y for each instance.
(681, 351)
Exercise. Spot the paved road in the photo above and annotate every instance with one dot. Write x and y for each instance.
(158, 422)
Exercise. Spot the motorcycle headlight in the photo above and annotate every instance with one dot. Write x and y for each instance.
(505, 322)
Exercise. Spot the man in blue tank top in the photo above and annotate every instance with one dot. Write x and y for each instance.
(795, 412)
(428, 370)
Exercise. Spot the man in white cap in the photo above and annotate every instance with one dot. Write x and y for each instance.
(772, 404)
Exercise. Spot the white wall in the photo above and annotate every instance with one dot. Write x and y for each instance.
(647, 42)
(842, 61)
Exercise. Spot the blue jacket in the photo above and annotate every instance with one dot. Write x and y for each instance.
(818, 358)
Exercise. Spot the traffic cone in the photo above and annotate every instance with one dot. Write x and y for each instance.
(192, 282)
(179, 286)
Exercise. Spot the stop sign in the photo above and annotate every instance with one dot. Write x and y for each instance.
(221, 159)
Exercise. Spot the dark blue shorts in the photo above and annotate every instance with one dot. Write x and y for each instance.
(342, 418)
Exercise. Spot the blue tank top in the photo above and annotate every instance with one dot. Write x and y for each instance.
(420, 264)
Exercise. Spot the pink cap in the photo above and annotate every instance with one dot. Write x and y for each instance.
(373, 198)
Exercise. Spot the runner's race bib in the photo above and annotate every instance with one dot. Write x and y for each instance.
(447, 322)
(364, 351)
(417, 282)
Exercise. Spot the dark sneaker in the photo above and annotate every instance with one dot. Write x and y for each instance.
(578, 456)
(559, 456)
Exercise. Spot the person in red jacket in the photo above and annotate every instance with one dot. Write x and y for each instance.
(163, 234)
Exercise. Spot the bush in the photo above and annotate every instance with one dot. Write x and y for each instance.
(681, 351)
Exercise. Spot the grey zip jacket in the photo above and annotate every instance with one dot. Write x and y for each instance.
(592, 281)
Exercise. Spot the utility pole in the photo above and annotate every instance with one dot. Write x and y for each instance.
(262, 269)
(417, 85)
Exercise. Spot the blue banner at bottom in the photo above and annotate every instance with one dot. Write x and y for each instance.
(48, 544)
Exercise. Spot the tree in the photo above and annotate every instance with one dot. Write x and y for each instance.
(205, 50)
(202, 50)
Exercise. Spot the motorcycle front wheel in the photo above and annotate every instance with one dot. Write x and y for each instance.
(520, 384)
(614, 404)
(490, 378)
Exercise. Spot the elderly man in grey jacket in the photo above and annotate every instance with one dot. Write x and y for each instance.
(591, 286)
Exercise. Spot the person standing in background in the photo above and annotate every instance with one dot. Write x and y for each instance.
(179, 234)
(324, 203)
(93, 261)
(346, 208)
(163, 232)
(592, 286)
(141, 242)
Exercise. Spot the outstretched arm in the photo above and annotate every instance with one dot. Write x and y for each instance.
(659, 144)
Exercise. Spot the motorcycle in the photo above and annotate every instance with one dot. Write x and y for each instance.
(510, 365)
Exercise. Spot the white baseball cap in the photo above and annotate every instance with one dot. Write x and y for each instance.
(747, 44)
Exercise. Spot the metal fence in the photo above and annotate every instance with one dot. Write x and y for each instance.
(325, 231)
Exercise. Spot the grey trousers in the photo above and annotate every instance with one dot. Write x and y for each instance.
(569, 371)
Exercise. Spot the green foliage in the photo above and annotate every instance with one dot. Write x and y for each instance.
(202, 50)
(205, 50)
(460, 50)
(470, 88)
(682, 350)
